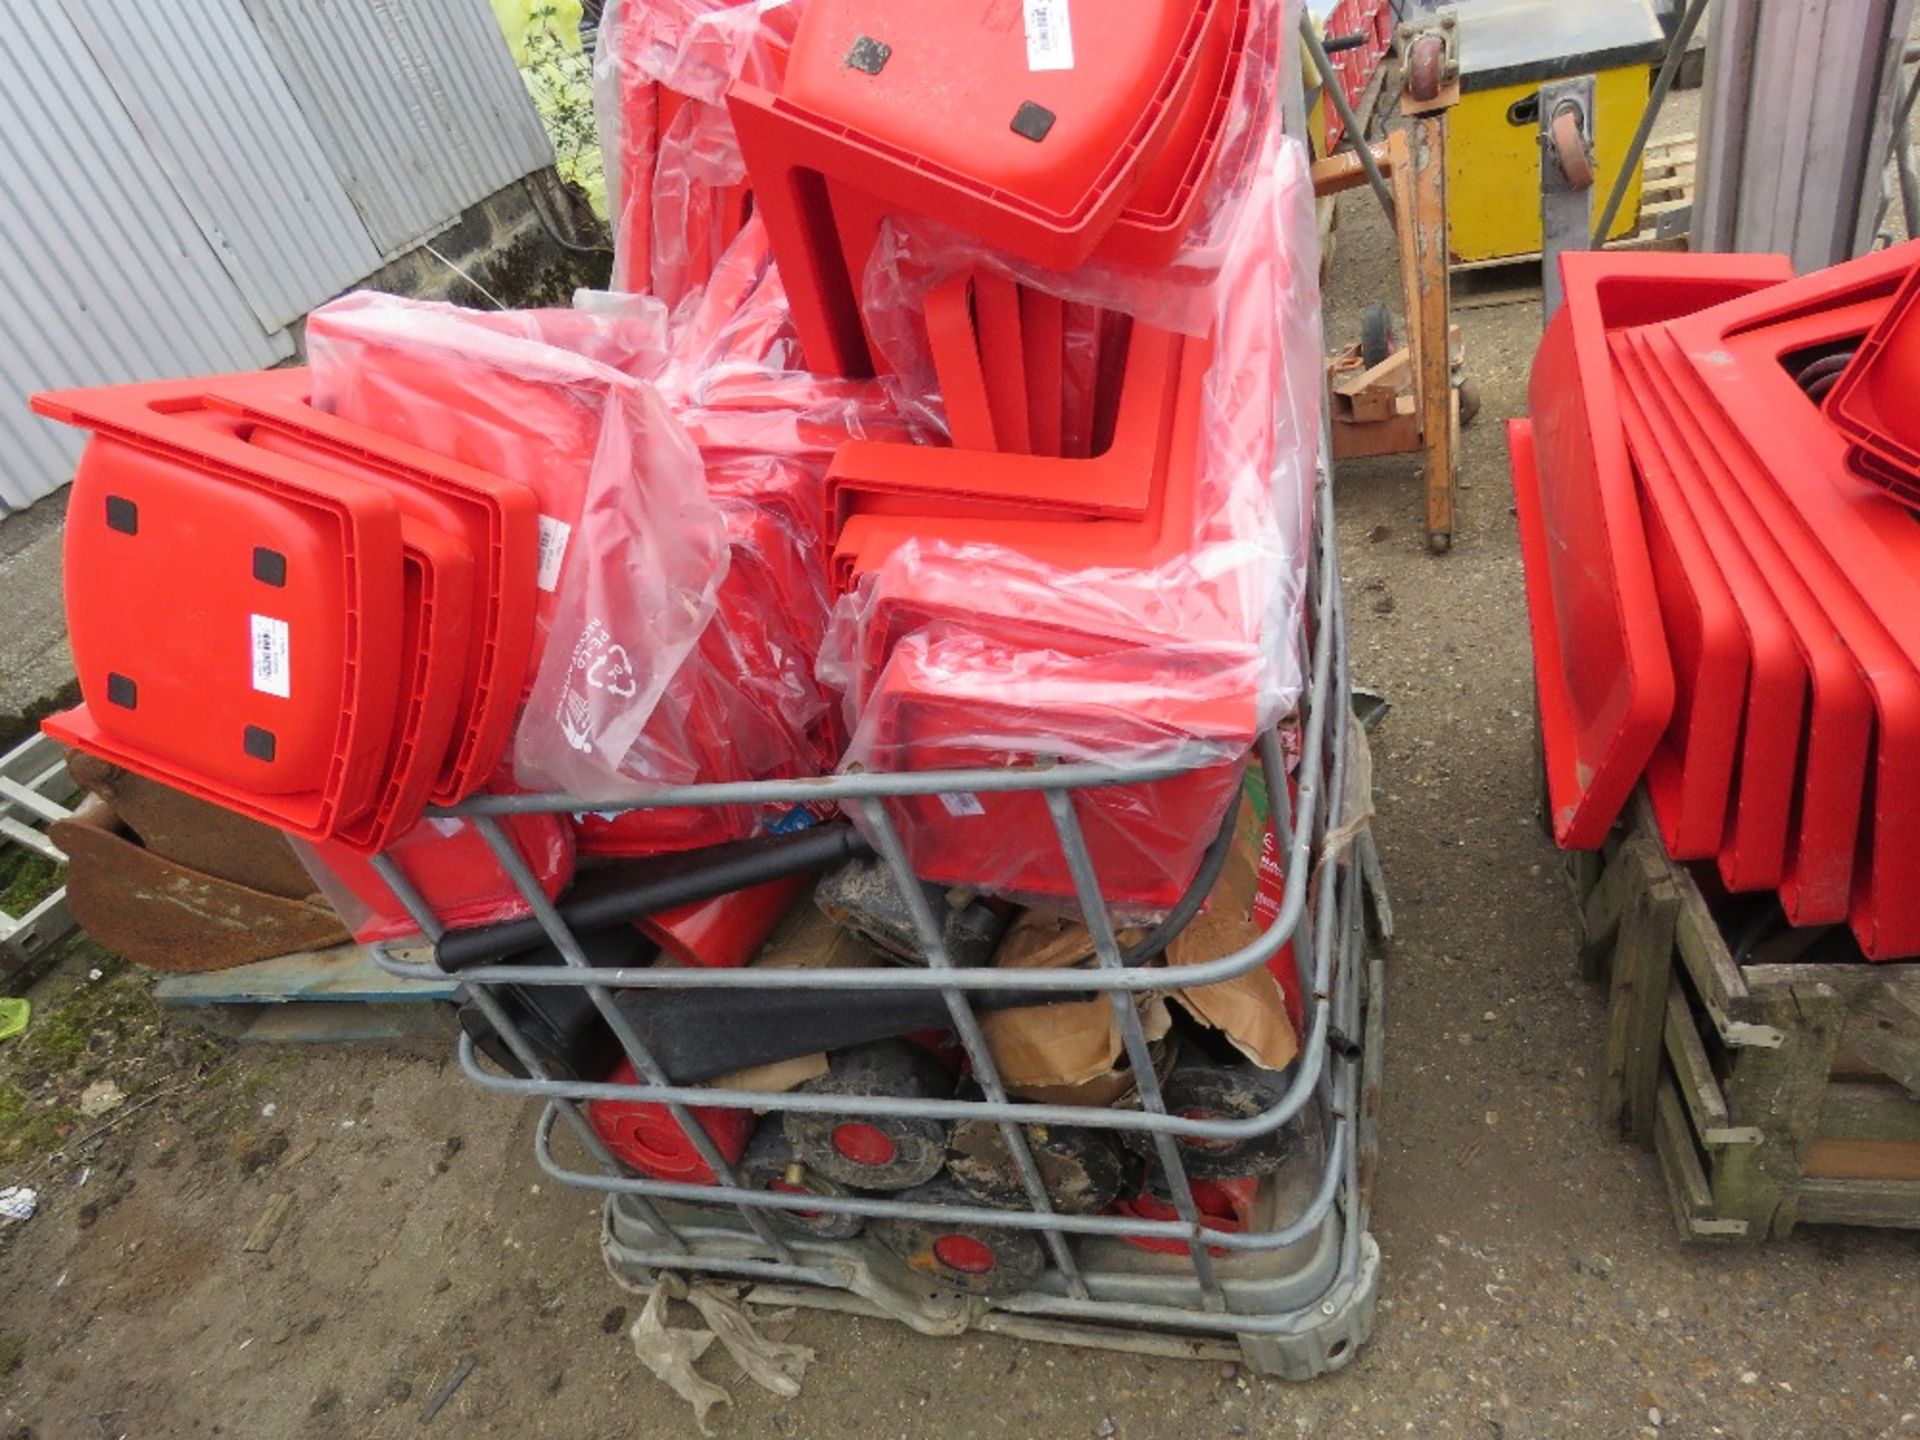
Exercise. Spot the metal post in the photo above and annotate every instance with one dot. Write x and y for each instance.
(1676, 51)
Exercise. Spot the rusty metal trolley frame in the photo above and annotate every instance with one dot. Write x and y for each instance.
(1306, 1322)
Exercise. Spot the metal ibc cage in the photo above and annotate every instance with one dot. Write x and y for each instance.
(1294, 1289)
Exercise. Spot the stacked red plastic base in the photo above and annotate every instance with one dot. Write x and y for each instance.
(1723, 583)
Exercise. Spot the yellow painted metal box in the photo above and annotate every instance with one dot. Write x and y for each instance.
(1508, 48)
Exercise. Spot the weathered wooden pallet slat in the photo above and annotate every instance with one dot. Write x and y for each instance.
(1772, 1094)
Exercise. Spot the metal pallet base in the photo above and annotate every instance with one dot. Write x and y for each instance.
(1331, 1319)
(1319, 1292)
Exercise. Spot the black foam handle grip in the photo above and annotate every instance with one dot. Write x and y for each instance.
(621, 893)
(698, 1035)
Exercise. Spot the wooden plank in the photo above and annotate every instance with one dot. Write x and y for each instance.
(1863, 1160)
(1428, 316)
(1882, 1026)
(1686, 1182)
(1719, 984)
(1399, 435)
(1342, 171)
(1681, 150)
(1779, 1091)
(1856, 1111)
(1892, 1204)
(325, 1023)
(1637, 993)
(1606, 903)
(344, 975)
(1693, 1074)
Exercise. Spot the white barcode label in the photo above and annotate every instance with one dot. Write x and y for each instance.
(554, 535)
(272, 671)
(962, 804)
(1049, 34)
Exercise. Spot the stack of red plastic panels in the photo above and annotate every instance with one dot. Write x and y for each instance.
(295, 617)
(1725, 602)
(1079, 482)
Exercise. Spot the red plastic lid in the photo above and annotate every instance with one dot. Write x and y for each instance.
(434, 622)
(1039, 110)
(1036, 162)
(1832, 766)
(647, 1137)
(1690, 769)
(1168, 201)
(1872, 402)
(161, 449)
(1690, 774)
(497, 518)
(1601, 669)
(1857, 552)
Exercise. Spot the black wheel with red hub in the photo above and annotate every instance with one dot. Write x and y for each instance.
(979, 1259)
(1219, 1092)
(770, 1164)
(874, 1152)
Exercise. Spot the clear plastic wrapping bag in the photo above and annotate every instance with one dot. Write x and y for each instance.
(1082, 663)
(675, 179)
(949, 702)
(1236, 590)
(633, 552)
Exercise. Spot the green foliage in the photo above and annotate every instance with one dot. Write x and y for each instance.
(559, 76)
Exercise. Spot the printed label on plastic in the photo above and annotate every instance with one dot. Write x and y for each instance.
(962, 804)
(1049, 34)
(272, 671)
(554, 535)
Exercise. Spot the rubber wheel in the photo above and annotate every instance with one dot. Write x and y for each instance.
(1570, 148)
(1425, 62)
(977, 1259)
(1083, 1170)
(874, 1152)
(1469, 401)
(769, 1164)
(1219, 1092)
(1376, 334)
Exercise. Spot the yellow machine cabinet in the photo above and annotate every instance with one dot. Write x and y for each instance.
(1507, 49)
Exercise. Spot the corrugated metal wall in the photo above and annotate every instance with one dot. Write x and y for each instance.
(183, 179)
(416, 102)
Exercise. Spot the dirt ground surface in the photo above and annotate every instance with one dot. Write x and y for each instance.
(1532, 1282)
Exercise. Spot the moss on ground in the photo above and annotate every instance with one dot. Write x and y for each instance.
(109, 1028)
(27, 878)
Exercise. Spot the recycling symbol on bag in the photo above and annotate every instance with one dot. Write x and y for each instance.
(612, 671)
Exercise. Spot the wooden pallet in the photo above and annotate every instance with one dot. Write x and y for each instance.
(323, 995)
(1666, 196)
(1774, 1094)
